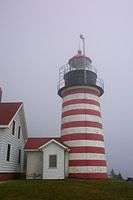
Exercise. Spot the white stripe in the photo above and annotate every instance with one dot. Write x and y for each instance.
(82, 117)
(81, 96)
(81, 106)
(82, 143)
(88, 169)
(68, 131)
(86, 156)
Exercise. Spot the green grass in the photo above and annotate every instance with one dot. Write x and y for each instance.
(69, 189)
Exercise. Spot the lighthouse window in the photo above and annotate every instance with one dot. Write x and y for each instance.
(52, 161)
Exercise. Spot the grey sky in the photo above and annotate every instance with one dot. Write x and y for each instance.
(38, 36)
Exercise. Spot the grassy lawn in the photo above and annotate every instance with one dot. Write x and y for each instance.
(66, 190)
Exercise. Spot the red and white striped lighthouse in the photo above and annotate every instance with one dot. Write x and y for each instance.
(81, 122)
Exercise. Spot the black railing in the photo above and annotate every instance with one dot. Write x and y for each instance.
(66, 68)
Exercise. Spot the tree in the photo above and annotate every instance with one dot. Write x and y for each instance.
(112, 174)
(119, 176)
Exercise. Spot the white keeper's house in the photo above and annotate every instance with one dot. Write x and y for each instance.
(13, 135)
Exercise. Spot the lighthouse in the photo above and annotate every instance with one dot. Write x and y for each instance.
(81, 122)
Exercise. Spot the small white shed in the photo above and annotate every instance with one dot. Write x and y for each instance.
(48, 161)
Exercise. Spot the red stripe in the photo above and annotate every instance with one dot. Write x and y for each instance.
(82, 136)
(78, 101)
(81, 111)
(89, 175)
(81, 124)
(87, 163)
(81, 90)
(87, 149)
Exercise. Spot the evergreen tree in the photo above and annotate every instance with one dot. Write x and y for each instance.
(112, 174)
(119, 176)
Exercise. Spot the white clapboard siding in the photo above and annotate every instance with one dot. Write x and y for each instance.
(6, 138)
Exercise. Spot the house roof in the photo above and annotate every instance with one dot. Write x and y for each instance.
(7, 112)
(35, 143)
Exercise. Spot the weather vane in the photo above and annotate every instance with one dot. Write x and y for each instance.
(83, 40)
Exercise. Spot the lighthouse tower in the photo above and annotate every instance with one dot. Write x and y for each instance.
(81, 122)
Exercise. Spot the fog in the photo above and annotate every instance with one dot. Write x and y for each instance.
(37, 37)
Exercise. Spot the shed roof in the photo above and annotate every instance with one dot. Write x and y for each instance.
(35, 143)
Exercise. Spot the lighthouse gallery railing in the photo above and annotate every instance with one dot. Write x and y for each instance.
(66, 68)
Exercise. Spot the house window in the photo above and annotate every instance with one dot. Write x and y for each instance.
(13, 127)
(52, 161)
(19, 156)
(19, 130)
(8, 152)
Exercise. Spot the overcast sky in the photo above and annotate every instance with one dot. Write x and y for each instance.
(38, 36)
